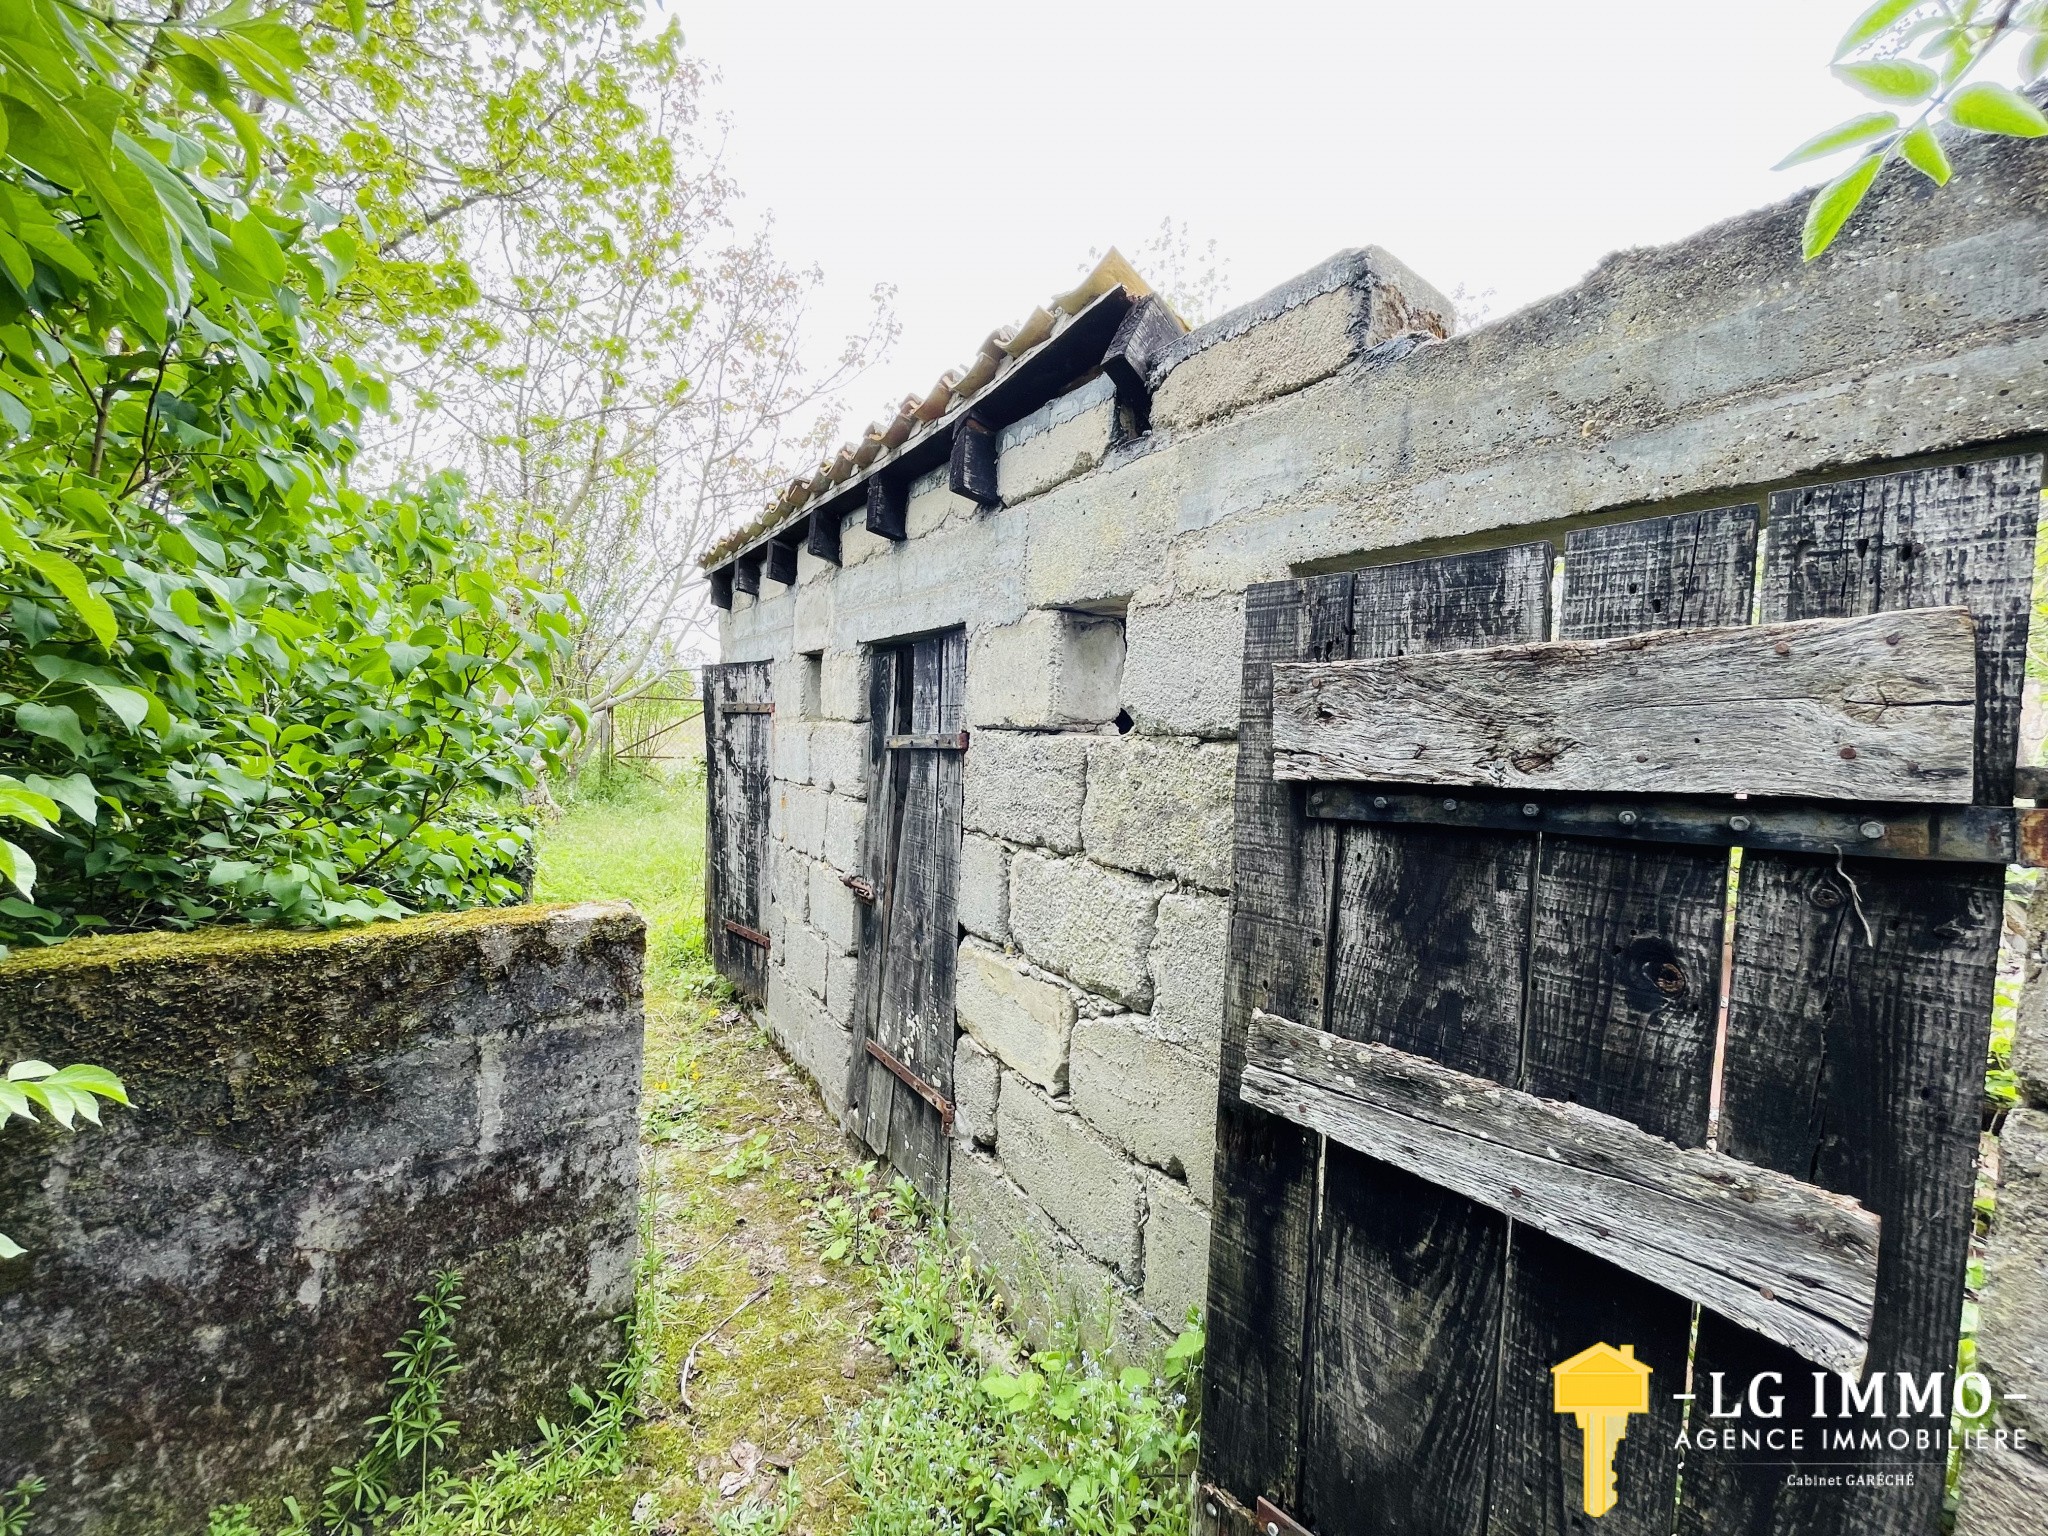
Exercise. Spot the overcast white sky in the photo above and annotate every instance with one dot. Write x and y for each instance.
(972, 153)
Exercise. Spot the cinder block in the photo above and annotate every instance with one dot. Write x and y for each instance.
(1027, 787)
(1023, 1020)
(977, 1087)
(803, 818)
(789, 877)
(2003, 1490)
(857, 545)
(1153, 1100)
(810, 1036)
(845, 821)
(1302, 331)
(1051, 1289)
(2013, 1343)
(1176, 1252)
(931, 505)
(842, 988)
(985, 888)
(834, 910)
(839, 757)
(1183, 667)
(1060, 440)
(1090, 924)
(1049, 670)
(1162, 805)
(789, 749)
(805, 955)
(843, 685)
(1189, 945)
(1083, 1183)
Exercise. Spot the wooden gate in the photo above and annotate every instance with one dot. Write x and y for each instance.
(738, 717)
(1477, 1115)
(899, 1100)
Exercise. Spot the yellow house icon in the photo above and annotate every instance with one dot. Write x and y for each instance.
(1600, 1387)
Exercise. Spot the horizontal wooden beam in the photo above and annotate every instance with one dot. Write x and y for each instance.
(1882, 707)
(1785, 1259)
(951, 741)
(1954, 834)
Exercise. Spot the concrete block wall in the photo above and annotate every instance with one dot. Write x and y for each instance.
(323, 1122)
(1329, 423)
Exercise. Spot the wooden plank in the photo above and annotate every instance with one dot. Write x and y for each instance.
(1962, 533)
(746, 573)
(721, 587)
(888, 507)
(781, 564)
(1266, 1168)
(877, 842)
(1882, 707)
(1622, 1002)
(951, 741)
(737, 791)
(914, 1019)
(972, 470)
(1953, 834)
(1693, 570)
(821, 535)
(1429, 933)
(1861, 992)
(1783, 1258)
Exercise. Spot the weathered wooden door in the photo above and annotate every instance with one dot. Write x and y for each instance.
(738, 717)
(900, 1098)
(1437, 971)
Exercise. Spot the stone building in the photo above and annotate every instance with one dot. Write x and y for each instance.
(1085, 505)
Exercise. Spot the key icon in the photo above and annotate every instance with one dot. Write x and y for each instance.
(1600, 1387)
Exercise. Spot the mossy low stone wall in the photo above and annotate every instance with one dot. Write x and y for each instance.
(321, 1122)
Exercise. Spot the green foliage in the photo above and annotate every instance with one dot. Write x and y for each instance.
(397, 1472)
(231, 685)
(66, 1095)
(1062, 1441)
(401, 1486)
(750, 1157)
(1953, 39)
(14, 1503)
(858, 1223)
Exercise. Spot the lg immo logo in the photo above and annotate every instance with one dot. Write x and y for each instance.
(1896, 1413)
(1600, 1387)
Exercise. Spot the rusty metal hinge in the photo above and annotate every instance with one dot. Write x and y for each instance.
(1274, 1521)
(746, 709)
(1268, 1519)
(951, 741)
(917, 1085)
(742, 931)
(859, 885)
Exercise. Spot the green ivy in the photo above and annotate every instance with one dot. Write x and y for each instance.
(231, 685)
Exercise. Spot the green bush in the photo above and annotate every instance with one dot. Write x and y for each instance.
(231, 685)
(971, 1439)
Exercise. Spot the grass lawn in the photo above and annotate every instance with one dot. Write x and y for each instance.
(737, 1149)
